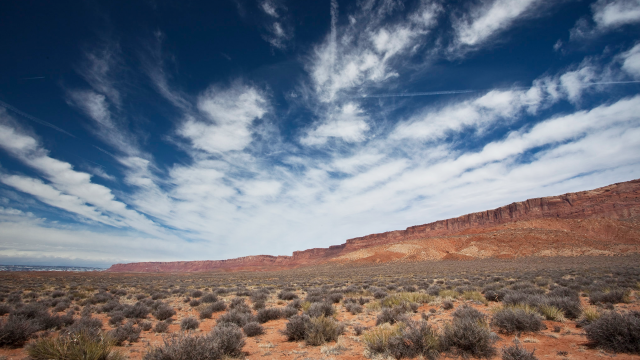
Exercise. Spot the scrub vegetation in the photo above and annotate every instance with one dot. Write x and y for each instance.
(514, 309)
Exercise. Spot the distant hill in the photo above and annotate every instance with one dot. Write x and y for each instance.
(604, 221)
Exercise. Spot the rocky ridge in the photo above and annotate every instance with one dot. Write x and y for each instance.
(603, 221)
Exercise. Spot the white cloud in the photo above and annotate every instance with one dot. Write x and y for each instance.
(348, 124)
(69, 189)
(608, 15)
(228, 117)
(478, 113)
(269, 7)
(362, 53)
(487, 19)
(631, 61)
(615, 13)
(279, 31)
(99, 70)
(96, 107)
(51, 196)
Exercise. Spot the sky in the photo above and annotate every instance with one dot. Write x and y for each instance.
(202, 130)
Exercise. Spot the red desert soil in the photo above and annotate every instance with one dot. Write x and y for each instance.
(604, 221)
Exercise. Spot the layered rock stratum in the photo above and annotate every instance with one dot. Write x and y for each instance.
(603, 221)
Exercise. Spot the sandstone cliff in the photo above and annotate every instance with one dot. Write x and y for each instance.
(603, 221)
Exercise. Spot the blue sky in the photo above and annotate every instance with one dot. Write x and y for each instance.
(190, 130)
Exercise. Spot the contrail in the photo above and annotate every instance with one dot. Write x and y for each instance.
(34, 78)
(32, 118)
(449, 92)
(427, 93)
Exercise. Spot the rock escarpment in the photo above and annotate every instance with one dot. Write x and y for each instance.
(600, 221)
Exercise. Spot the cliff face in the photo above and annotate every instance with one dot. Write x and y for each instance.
(619, 203)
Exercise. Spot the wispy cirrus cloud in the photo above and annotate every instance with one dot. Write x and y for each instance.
(485, 20)
(278, 29)
(608, 15)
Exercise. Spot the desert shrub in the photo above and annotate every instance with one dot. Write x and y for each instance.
(269, 314)
(100, 297)
(238, 303)
(354, 308)
(196, 294)
(80, 346)
(189, 323)
(116, 317)
(416, 338)
(570, 306)
(296, 327)
(228, 339)
(159, 296)
(295, 304)
(380, 294)
(85, 324)
(288, 312)
(15, 331)
(377, 339)
(126, 332)
(58, 294)
(161, 327)
(38, 316)
(334, 298)
(616, 332)
(391, 316)
(468, 337)
(205, 313)
(109, 306)
(447, 304)
(194, 303)
(320, 309)
(260, 295)
(359, 329)
(494, 295)
(237, 317)
(322, 329)
(409, 288)
(434, 290)
(287, 295)
(562, 291)
(61, 306)
(615, 296)
(243, 292)
(185, 347)
(517, 352)
(515, 319)
(4, 309)
(253, 329)
(218, 306)
(137, 311)
(258, 305)
(467, 312)
(140, 296)
(31, 311)
(163, 312)
(209, 298)
(145, 325)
